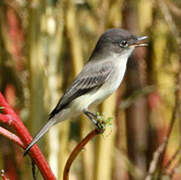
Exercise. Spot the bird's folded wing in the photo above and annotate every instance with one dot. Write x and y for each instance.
(91, 77)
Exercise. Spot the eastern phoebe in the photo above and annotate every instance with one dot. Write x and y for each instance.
(99, 78)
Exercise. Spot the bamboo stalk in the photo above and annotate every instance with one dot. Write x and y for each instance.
(145, 11)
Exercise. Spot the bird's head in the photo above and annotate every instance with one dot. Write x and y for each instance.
(118, 42)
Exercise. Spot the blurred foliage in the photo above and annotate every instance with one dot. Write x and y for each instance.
(43, 46)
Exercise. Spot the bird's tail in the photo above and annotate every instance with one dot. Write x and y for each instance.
(42, 131)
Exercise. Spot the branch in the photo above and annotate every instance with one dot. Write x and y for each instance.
(174, 156)
(125, 103)
(11, 118)
(11, 137)
(78, 149)
(155, 161)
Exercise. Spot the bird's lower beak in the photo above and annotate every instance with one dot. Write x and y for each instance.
(138, 42)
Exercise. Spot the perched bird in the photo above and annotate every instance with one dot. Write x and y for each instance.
(99, 78)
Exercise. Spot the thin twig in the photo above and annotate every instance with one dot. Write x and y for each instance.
(174, 169)
(174, 8)
(155, 161)
(78, 149)
(173, 157)
(168, 18)
(125, 103)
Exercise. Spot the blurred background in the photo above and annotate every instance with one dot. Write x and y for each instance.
(43, 46)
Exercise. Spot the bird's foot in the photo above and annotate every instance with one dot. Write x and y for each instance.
(99, 120)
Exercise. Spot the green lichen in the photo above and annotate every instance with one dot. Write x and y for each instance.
(103, 122)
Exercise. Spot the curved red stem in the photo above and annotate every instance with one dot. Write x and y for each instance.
(11, 118)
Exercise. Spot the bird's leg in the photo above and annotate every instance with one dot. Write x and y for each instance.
(91, 116)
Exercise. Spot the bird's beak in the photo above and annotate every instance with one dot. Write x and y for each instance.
(138, 42)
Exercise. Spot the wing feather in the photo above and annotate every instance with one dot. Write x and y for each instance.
(87, 80)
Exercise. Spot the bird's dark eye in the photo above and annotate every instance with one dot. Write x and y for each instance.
(123, 43)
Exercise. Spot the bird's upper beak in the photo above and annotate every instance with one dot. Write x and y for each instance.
(138, 42)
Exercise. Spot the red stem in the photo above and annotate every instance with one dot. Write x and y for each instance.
(78, 149)
(11, 136)
(4, 118)
(12, 119)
